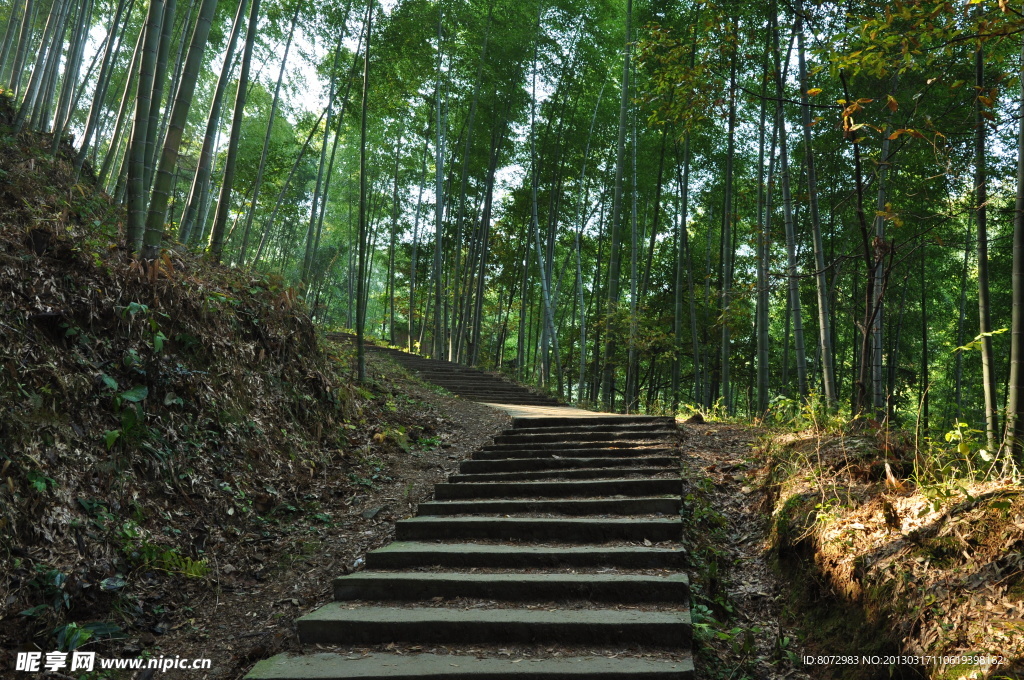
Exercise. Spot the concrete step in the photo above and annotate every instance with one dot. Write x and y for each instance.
(539, 529)
(331, 666)
(560, 445)
(584, 473)
(367, 585)
(570, 437)
(650, 505)
(482, 379)
(503, 398)
(534, 464)
(515, 401)
(567, 421)
(336, 623)
(596, 426)
(413, 554)
(523, 489)
(511, 453)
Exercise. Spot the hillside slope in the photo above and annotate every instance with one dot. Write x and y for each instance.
(173, 434)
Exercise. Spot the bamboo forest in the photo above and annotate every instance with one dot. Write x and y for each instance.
(638, 339)
(632, 205)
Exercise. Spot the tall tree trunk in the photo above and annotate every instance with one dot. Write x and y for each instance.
(391, 242)
(10, 34)
(40, 70)
(137, 148)
(960, 327)
(1015, 393)
(414, 256)
(224, 202)
(547, 322)
(72, 71)
(633, 363)
(787, 202)
(456, 334)
(728, 251)
(923, 395)
(179, 117)
(200, 190)
(656, 221)
(112, 155)
(102, 83)
(361, 285)
(614, 261)
(251, 213)
(21, 54)
(581, 220)
(438, 337)
(981, 219)
(824, 324)
(156, 101)
(765, 193)
(51, 68)
(878, 286)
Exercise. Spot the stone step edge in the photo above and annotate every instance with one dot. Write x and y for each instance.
(336, 623)
(333, 666)
(585, 474)
(624, 588)
(639, 505)
(584, 488)
(460, 555)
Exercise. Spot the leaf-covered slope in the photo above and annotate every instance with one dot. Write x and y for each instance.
(153, 415)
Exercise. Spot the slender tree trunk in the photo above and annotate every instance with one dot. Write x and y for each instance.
(72, 71)
(656, 222)
(179, 117)
(414, 256)
(361, 289)
(1015, 393)
(727, 247)
(923, 398)
(391, 242)
(787, 202)
(137, 149)
(633, 363)
(485, 228)
(311, 230)
(10, 34)
(122, 112)
(765, 193)
(224, 202)
(438, 337)
(156, 101)
(51, 68)
(614, 261)
(24, 35)
(251, 213)
(40, 70)
(984, 307)
(456, 334)
(102, 83)
(200, 190)
(824, 325)
(960, 327)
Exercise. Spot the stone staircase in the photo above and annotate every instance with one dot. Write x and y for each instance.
(552, 554)
(468, 383)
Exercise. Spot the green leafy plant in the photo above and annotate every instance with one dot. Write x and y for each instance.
(129, 404)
